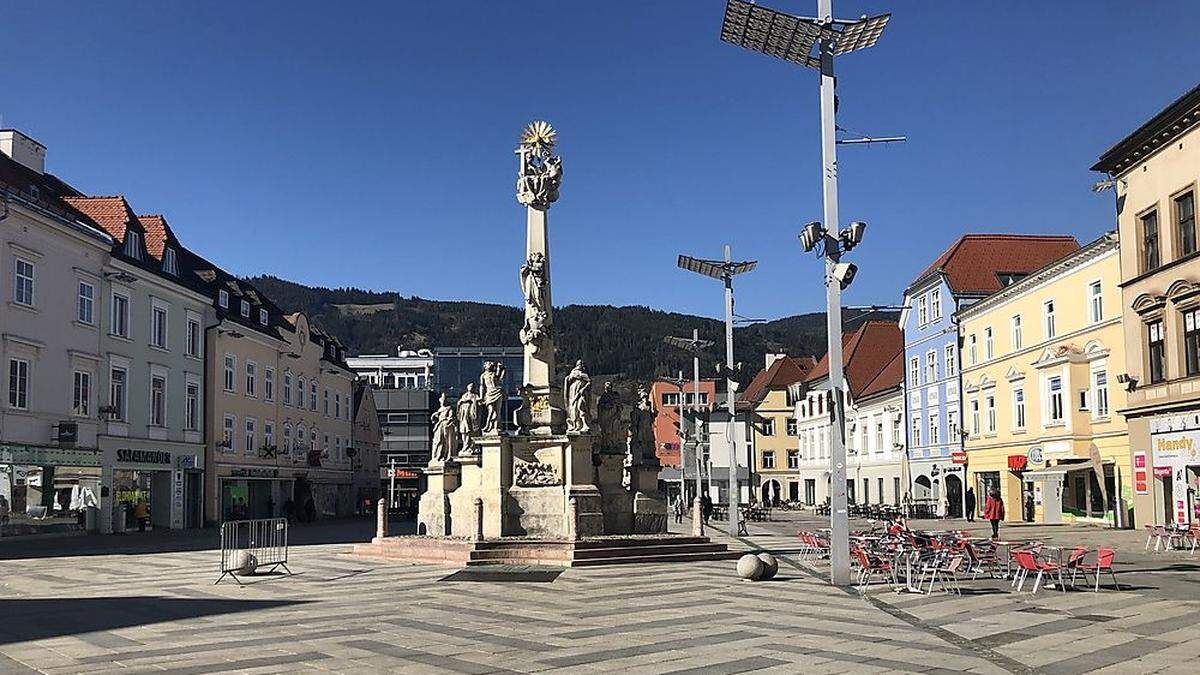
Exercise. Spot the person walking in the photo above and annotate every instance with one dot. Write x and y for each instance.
(993, 511)
(970, 505)
(678, 509)
(706, 505)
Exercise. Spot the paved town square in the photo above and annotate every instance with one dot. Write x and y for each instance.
(159, 611)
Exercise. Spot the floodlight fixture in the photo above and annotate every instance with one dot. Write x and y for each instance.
(861, 34)
(688, 344)
(792, 38)
(1103, 185)
(811, 235)
(853, 235)
(717, 269)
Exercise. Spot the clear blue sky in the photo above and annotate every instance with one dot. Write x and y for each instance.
(370, 144)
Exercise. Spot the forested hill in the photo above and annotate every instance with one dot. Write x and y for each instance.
(621, 341)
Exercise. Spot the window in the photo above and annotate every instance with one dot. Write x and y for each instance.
(916, 430)
(299, 447)
(133, 245)
(287, 388)
(223, 298)
(337, 406)
(1019, 408)
(230, 373)
(934, 431)
(170, 266)
(935, 303)
(300, 392)
(325, 402)
(158, 327)
(191, 411)
(930, 366)
(1156, 351)
(18, 384)
(116, 392)
(227, 432)
(246, 309)
(81, 396)
(768, 427)
(1185, 223)
(768, 459)
(85, 304)
(972, 350)
(793, 459)
(990, 407)
(269, 384)
(287, 438)
(251, 428)
(158, 401)
(1048, 318)
(1016, 332)
(193, 337)
(879, 433)
(23, 282)
(1055, 401)
(953, 435)
(951, 361)
(1083, 400)
(251, 379)
(922, 311)
(1100, 393)
(119, 321)
(1191, 340)
(914, 370)
(312, 396)
(1149, 227)
(262, 316)
(974, 417)
(1095, 302)
(670, 399)
(269, 434)
(988, 347)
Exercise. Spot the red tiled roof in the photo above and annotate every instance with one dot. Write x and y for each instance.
(158, 233)
(784, 371)
(868, 355)
(972, 264)
(111, 213)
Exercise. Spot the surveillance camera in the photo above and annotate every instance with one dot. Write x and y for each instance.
(853, 235)
(844, 273)
(810, 235)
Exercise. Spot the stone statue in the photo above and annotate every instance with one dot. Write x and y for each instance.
(445, 435)
(491, 392)
(578, 390)
(540, 174)
(467, 414)
(608, 419)
(641, 429)
(523, 416)
(533, 287)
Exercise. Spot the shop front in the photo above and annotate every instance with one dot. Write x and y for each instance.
(155, 484)
(1170, 476)
(49, 489)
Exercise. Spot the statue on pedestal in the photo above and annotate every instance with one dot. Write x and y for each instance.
(467, 413)
(533, 287)
(641, 429)
(491, 389)
(608, 419)
(578, 389)
(445, 434)
(540, 174)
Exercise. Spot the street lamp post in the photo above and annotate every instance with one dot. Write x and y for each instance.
(793, 39)
(725, 270)
(693, 346)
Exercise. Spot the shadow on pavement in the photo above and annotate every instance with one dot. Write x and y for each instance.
(43, 618)
(340, 531)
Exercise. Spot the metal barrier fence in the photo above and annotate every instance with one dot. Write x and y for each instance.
(247, 545)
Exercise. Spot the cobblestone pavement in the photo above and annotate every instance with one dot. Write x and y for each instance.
(149, 611)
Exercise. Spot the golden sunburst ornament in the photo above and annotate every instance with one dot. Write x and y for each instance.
(539, 135)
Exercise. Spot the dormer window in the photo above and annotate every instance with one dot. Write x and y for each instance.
(223, 298)
(35, 192)
(133, 245)
(246, 309)
(262, 316)
(170, 266)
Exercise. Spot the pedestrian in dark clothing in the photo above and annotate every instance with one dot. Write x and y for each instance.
(970, 505)
(993, 511)
(706, 504)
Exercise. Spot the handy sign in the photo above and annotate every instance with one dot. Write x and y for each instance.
(958, 457)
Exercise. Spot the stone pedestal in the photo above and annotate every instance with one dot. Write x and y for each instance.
(649, 507)
(434, 517)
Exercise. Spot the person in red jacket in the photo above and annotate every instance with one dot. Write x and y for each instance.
(993, 511)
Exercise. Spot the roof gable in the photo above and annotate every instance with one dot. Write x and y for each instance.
(871, 358)
(975, 263)
(784, 371)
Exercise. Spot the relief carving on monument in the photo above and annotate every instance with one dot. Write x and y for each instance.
(534, 474)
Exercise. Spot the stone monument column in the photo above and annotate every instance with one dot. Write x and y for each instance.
(538, 181)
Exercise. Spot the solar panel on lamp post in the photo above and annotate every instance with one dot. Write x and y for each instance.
(795, 39)
(725, 270)
(694, 346)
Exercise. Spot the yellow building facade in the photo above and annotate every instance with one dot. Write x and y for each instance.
(1040, 364)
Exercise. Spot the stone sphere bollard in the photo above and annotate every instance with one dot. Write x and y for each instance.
(244, 562)
(770, 566)
(749, 567)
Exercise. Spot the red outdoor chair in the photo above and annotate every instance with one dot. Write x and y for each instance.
(869, 567)
(1104, 562)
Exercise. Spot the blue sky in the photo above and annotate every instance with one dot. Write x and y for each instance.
(371, 145)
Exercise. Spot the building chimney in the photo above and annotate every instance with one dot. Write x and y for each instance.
(23, 150)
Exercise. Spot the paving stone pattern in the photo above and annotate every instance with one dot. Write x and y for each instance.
(152, 612)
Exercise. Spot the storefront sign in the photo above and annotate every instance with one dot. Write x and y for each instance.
(177, 501)
(1162, 472)
(1141, 482)
(68, 432)
(257, 473)
(1017, 462)
(402, 473)
(958, 457)
(130, 456)
(1180, 447)
(185, 462)
(1035, 455)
